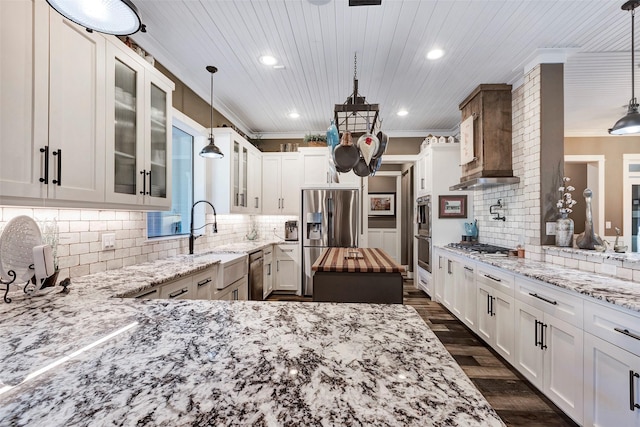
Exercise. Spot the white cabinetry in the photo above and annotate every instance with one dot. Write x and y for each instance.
(549, 343)
(51, 109)
(237, 291)
(611, 366)
(424, 180)
(316, 171)
(281, 183)
(496, 309)
(198, 285)
(287, 277)
(231, 184)
(268, 273)
(138, 131)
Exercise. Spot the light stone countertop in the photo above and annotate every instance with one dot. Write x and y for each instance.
(623, 293)
(88, 358)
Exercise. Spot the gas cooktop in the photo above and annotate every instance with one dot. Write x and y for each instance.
(482, 248)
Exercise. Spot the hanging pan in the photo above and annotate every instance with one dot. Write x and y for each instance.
(362, 168)
(346, 155)
(382, 147)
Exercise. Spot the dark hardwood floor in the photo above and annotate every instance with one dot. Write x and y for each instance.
(515, 400)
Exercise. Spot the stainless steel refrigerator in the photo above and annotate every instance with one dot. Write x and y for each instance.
(329, 219)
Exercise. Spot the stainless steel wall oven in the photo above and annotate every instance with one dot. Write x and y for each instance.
(423, 219)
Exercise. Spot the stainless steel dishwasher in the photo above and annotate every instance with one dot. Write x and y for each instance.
(256, 260)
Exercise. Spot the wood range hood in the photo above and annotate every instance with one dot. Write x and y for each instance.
(490, 107)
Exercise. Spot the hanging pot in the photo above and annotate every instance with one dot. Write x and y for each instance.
(346, 155)
(375, 165)
(333, 139)
(382, 147)
(368, 144)
(361, 168)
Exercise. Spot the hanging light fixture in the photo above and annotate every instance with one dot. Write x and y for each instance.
(631, 122)
(117, 17)
(211, 150)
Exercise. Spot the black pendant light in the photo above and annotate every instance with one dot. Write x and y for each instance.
(117, 17)
(211, 150)
(631, 122)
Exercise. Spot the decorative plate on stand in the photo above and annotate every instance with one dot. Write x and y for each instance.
(17, 241)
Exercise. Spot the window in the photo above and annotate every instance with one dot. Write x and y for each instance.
(186, 136)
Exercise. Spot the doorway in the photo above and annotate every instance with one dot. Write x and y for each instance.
(587, 171)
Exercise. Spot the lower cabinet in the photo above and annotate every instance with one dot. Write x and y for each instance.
(178, 289)
(548, 352)
(237, 291)
(611, 367)
(496, 310)
(287, 274)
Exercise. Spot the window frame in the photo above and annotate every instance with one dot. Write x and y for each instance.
(200, 139)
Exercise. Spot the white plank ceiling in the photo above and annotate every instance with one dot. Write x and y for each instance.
(485, 41)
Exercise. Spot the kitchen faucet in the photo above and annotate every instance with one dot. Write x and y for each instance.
(192, 237)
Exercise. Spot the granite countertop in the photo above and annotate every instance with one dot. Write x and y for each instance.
(616, 291)
(247, 246)
(87, 358)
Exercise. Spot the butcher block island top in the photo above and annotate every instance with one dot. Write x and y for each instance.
(356, 260)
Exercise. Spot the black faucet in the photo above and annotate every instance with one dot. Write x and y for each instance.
(192, 237)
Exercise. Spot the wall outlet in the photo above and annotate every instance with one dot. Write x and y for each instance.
(607, 225)
(108, 241)
(551, 228)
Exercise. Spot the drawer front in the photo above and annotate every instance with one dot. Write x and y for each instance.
(150, 293)
(424, 279)
(180, 289)
(613, 325)
(232, 273)
(495, 278)
(566, 307)
(204, 282)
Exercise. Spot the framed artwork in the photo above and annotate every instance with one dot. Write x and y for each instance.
(382, 204)
(452, 206)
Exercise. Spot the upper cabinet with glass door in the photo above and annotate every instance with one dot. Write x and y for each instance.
(231, 183)
(138, 131)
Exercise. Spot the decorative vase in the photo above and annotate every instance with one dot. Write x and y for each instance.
(564, 231)
(588, 239)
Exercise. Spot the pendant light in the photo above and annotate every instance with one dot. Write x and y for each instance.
(117, 17)
(211, 150)
(631, 122)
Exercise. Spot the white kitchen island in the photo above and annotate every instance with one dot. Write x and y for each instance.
(179, 362)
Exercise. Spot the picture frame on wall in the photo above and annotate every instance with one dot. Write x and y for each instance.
(381, 204)
(452, 206)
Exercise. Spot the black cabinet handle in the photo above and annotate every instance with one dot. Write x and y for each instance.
(58, 153)
(449, 266)
(543, 343)
(535, 328)
(632, 392)
(489, 304)
(543, 298)
(204, 282)
(45, 150)
(147, 294)
(178, 293)
(149, 174)
(627, 333)
(143, 172)
(488, 276)
(466, 267)
(493, 313)
(257, 203)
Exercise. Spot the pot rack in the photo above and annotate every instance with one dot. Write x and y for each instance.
(356, 114)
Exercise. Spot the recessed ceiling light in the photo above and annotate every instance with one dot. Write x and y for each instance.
(402, 112)
(278, 67)
(268, 60)
(293, 115)
(435, 54)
